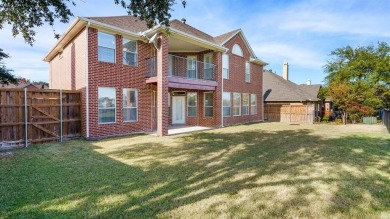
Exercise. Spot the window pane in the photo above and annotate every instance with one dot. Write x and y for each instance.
(208, 111)
(237, 50)
(226, 111)
(191, 98)
(129, 46)
(208, 99)
(191, 111)
(130, 114)
(106, 97)
(106, 40)
(106, 54)
(245, 99)
(129, 58)
(129, 98)
(106, 115)
(226, 99)
(245, 110)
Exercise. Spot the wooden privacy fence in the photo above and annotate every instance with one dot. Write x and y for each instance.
(31, 116)
(290, 113)
(386, 118)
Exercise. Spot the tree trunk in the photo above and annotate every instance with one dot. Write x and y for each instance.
(344, 116)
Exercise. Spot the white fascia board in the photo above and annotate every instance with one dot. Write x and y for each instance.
(63, 40)
(160, 28)
(257, 61)
(239, 30)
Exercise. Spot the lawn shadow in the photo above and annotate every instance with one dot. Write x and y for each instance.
(276, 173)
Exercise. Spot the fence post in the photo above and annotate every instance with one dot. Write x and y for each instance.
(61, 115)
(25, 119)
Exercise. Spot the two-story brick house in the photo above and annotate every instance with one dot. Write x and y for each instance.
(135, 79)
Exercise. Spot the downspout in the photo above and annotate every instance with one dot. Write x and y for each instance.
(86, 83)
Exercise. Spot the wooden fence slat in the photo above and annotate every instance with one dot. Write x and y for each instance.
(43, 115)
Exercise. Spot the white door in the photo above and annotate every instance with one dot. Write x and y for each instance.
(178, 109)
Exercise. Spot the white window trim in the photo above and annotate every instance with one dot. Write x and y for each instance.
(230, 98)
(204, 104)
(128, 107)
(136, 51)
(102, 123)
(247, 72)
(239, 103)
(245, 105)
(226, 67)
(108, 47)
(255, 105)
(196, 104)
(240, 52)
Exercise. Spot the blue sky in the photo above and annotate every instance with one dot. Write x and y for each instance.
(300, 32)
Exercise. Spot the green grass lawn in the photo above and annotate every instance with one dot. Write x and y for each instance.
(267, 170)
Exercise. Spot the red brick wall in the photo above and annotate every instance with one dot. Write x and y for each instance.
(236, 81)
(119, 76)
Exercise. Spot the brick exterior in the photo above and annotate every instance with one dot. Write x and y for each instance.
(69, 71)
(236, 81)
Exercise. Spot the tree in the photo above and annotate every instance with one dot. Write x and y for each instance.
(359, 77)
(5, 74)
(24, 15)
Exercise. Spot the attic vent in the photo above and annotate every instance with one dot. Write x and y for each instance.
(183, 20)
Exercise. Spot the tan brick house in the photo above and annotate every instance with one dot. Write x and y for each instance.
(135, 79)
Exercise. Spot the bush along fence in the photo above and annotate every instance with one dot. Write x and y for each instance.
(34, 116)
(386, 118)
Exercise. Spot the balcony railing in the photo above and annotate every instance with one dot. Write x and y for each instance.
(183, 68)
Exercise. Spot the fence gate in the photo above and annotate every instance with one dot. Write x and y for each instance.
(31, 116)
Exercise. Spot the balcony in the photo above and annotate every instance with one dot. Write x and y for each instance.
(184, 73)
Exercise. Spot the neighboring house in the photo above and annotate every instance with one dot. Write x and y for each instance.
(279, 91)
(134, 79)
(21, 86)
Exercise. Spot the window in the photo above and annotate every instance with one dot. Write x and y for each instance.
(130, 105)
(191, 67)
(226, 104)
(208, 72)
(191, 104)
(236, 104)
(129, 52)
(208, 104)
(107, 99)
(225, 66)
(247, 72)
(253, 104)
(237, 50)
(106, 47)
(245, 104)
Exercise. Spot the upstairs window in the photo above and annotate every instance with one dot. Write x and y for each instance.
(225, 66)
(106, 47)
(130, 55)
(247, 72)
(237, 50)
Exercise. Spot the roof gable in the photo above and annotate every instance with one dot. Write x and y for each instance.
(224, 38)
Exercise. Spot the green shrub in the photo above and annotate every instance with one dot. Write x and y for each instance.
(325, 118)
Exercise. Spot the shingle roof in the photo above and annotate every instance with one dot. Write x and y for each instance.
(126, 22)
(178, 25)
(135, 25)
(276, 88)
(221, 38)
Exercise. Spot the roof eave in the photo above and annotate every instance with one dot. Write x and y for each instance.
(187, 36)
(258, 61)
